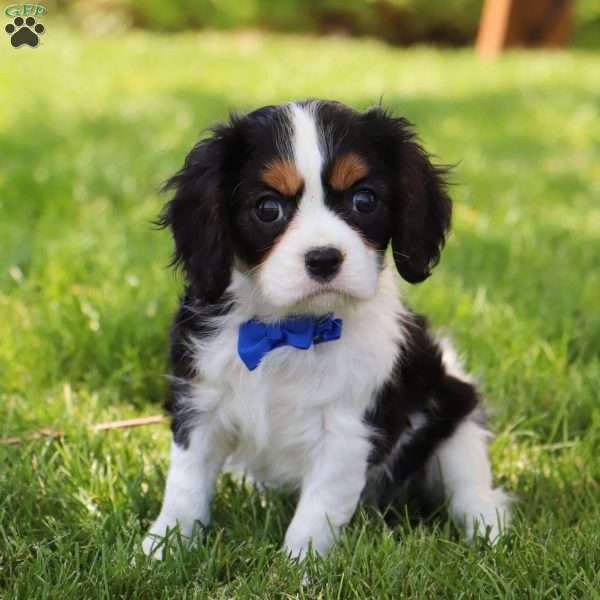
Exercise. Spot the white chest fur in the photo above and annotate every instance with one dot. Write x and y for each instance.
(276, 414)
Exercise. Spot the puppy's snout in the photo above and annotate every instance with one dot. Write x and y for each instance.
(323, 263)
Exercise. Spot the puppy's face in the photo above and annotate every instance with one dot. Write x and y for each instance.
(304, 198)
(311, 214)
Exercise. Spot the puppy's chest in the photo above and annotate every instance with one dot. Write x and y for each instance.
(338, 371)
(279, 412)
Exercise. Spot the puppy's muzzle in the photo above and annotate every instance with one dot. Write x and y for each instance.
(323, 263)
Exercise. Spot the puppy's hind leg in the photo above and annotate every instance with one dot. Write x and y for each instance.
(460, 469)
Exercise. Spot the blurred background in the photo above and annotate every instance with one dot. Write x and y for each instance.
(400, 22)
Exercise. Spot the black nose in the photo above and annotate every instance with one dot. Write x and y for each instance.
(323, 263)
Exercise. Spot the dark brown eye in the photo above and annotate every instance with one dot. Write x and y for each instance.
(364, 202)
(269, 210)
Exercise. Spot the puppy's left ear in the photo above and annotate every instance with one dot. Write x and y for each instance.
(422, 209)
(197, 216)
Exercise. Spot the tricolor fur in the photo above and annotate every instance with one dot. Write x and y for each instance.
(286, 211)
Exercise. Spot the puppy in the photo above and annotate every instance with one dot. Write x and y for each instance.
(293, 357)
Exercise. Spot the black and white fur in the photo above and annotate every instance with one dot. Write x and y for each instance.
(385, 404)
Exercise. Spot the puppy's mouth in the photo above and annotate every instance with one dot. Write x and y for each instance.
(327, 291)
(325, 296)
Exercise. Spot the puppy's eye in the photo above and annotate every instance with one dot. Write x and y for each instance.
(269, 210)
(364, 202)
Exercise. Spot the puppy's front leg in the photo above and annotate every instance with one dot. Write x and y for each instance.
(332, 486)
(190, 485)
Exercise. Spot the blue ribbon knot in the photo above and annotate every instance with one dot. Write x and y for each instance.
(256, 339)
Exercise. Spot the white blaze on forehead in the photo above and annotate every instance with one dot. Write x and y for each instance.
(307, 150)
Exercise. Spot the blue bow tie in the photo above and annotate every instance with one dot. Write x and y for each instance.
(257, 338)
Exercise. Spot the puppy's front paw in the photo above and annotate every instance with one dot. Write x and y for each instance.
(153, 546)
(165, 530)
(484, 514)
(296, 551)
(156, 538)
(298, 542)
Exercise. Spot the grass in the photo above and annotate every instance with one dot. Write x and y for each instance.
(90, 127)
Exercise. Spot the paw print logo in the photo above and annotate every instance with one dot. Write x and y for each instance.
(24, 32)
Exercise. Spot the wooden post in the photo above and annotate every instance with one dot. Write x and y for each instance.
(530, 23)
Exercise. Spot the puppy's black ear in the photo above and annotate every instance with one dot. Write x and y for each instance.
(197, 216)
(422, 208)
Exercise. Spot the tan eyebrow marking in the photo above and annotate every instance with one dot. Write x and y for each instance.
(281, 174)
(346, 171)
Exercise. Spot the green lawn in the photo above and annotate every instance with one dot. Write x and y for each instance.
(89, 128)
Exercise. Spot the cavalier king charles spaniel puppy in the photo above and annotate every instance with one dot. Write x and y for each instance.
(293, 358)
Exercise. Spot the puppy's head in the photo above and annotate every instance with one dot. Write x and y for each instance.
(304, 198)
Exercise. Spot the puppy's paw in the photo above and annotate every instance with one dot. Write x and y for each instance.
(157, 537)
(298, 543)
(153, 546)
(483, 513)
(296, 551)
(164, 531)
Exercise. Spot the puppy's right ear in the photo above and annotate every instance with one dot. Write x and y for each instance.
(422, 209)
(197, 216)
